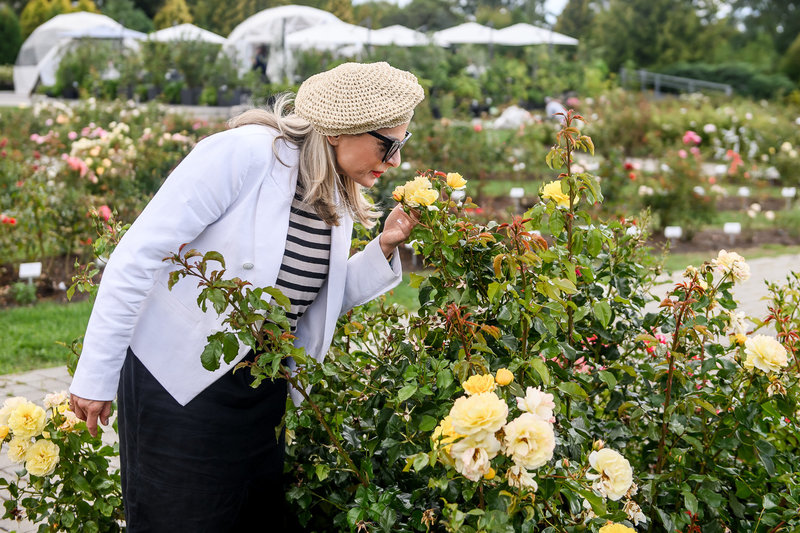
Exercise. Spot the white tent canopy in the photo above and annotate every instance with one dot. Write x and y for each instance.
(330, 36)
(525, 34)
(41, 52)
(186, 32)
(270, 27)
(398, 35)
(467, 33)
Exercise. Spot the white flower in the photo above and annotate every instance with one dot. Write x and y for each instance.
(615, 475)
(709, 128)
(634, 513)
(55, 399)
(765, 353)
(733, 263)
(8, 407)
(539, 404)
(473, 454)
(519, 478)
(737, 325)
(529, 441)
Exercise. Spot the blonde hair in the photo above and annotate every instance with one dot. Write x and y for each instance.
(317, 172)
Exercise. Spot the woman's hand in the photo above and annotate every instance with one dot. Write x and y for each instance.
(89, 411)
(396, 229)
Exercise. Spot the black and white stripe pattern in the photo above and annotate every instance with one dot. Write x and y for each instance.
(306, 258)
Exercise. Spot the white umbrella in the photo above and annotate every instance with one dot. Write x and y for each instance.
(524, 34)
(467, 33)
(329, 36)
(399, 36)
(186, 32)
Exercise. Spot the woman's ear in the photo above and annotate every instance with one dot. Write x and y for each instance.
(333, 140)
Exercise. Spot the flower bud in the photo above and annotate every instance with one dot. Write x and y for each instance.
(598, 444)
(503, 377)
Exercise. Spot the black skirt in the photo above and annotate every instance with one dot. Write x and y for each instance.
(213, 465)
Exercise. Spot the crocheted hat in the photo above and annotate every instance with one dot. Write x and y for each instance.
(356, 98)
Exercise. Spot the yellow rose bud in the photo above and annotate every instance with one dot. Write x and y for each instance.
(397, 194)
(739, 338)
(479, 384)
(100, 170)
(455, 180)
(504, 377)
(3, 432)
(490, 474)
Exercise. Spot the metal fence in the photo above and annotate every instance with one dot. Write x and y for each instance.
(658, 81)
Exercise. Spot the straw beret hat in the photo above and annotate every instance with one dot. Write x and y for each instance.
(356, 98)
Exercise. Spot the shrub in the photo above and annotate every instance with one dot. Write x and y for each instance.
(23, 293)
(12, 37)
(746, 79)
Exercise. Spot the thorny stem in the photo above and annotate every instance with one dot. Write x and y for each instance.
(570, 218)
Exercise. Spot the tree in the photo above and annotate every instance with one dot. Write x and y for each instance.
(790, 64)
(576, 19)
(341, 8)
(37, 12)
(127, 14)
(651, 34)
(172, 13)
(372, 14)
(779, 19)
(426, 15)
(12, 35)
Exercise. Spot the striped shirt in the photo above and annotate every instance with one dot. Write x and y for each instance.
(306, 258)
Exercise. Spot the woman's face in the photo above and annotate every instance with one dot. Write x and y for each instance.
(360, 157)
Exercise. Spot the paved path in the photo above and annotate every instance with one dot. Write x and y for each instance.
(34, 385)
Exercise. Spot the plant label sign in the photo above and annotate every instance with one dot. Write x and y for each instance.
(30, 270)
(673, 232)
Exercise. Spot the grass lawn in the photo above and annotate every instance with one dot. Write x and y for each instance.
(28, 335)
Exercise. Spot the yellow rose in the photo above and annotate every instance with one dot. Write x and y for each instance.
(94, 152)
(479, 384)
(615, 475)
(479, 412)
(764, 353)
(739, 339)
(106, 162)
(552, 191)
(3, 432)
(733, 263)
(17, 449)
(490, 474)
(444, 435)
(100, 170)
(616, 528)
(503, 377)
(397, 194)
(42, 458)
(422, 197)
(529, 441)
(27, 420)
(455, 180)
(419, 192)
(8, 407)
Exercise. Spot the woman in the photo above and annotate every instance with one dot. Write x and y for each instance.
(276, 195)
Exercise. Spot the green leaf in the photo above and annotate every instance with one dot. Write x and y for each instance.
(217, 298)
(541, 368)
(595, 244)
(427, 423)
(597, 503)
(406, 392)
(80, 483)
(415, 280)
(322, 471)
(230, 347)
(690, 501)
(211, 354)
(214, 256)
(602, 310)
(608, 378)
(420, 461)
(573, 389)
(493, 288)
(279, 298)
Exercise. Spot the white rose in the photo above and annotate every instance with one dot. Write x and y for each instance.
(539, 404)
(615, 475)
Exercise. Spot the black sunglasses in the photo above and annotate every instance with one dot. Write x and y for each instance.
(392, 145)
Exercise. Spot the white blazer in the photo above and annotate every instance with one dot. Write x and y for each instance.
(232, 195)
